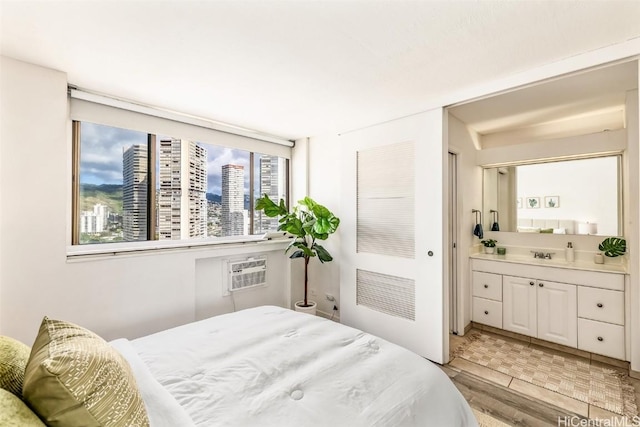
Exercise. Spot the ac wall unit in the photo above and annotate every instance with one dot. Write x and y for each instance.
(244, 274)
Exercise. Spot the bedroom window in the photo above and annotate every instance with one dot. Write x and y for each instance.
(135, 186)
(141, 174)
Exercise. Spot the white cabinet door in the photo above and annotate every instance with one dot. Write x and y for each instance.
(557, 313)
(519, 305)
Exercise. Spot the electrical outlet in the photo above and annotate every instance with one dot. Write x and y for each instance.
(330, 297)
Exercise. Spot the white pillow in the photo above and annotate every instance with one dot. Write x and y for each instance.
(528, 229)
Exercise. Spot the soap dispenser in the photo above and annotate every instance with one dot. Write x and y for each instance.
(568, 253)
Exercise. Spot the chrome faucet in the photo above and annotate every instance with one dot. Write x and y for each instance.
(542, 255)
(537, 254)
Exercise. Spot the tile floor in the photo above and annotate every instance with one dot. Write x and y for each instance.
(539, 393)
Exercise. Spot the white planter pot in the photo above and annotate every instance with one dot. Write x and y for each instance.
(488, 250)
(309, 310)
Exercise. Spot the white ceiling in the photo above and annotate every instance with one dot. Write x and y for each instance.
(589, 93)
(303, 68)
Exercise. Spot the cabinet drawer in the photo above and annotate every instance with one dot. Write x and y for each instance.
(487, 312)
(601, 338)
(600, 304)
(487, 285)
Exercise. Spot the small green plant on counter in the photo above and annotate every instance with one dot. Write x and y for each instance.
(489, 243)
(613, 246)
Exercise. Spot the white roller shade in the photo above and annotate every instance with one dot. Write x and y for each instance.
(87, 107)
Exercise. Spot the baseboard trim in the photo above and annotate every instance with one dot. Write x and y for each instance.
(468, 327)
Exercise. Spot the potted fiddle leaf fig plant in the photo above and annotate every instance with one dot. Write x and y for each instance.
(308, 222)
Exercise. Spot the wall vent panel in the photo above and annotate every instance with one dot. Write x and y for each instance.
(387, 294)
(244, 274)
(385, 200)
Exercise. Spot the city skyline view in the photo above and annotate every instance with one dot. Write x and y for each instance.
(114, 188)
(101, 156)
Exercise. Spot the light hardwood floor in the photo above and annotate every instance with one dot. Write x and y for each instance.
(519, 403)
(505, 404)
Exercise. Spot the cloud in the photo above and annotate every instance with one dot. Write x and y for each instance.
(101, 152)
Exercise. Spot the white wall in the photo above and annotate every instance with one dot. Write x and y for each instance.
(469, 198)
(632, 219)
(118, 296)
(299, 187)
(324, 184)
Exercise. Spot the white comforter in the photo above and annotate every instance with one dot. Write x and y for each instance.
(269, 366)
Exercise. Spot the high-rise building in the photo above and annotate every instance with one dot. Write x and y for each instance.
(273, 183)
(233, 215)
(182, 198)
(87, 222)
(94, 221)
(134, 192)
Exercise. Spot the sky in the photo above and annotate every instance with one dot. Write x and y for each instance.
(102, 146)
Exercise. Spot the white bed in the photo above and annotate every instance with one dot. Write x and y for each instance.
(557, 226)
(269, 366)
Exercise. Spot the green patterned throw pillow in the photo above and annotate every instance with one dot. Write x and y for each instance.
(15, 413)
(75, 379)
(13, 360)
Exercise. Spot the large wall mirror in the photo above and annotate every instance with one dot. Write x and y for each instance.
(581, 196)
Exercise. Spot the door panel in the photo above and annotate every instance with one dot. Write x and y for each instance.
(558, 313)
(392, 216)
(519, 305)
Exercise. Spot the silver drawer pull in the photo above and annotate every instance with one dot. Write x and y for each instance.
(486, 312)
(532, 283)
(600, 339)
(541, 284)
(599, 305)
(486, 286)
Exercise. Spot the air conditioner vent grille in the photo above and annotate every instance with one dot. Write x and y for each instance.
(246, 274)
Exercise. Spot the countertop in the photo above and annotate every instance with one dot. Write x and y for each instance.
(617, 267)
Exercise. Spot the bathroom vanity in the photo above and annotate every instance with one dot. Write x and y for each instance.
(580, 305)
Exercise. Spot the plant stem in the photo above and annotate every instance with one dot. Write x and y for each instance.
(306, 264)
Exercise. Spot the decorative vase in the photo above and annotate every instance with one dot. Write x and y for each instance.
(311, 309)
(489, 250)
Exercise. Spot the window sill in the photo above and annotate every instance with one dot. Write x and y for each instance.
(110, 250)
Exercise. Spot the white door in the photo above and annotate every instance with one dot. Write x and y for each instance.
(519, 305)
(393, 232)
(557, 313)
